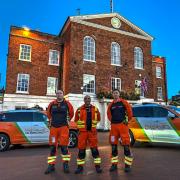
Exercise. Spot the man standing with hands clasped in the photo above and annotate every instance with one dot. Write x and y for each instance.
(87, 116)
(59, 112)
(119, 113)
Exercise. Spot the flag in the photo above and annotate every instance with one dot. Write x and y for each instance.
(144, 84)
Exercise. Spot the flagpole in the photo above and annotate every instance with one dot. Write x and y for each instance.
(111, 6)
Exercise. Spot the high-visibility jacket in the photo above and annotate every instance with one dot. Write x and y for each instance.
(81, 117)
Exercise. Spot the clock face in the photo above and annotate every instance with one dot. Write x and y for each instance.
(115, 22)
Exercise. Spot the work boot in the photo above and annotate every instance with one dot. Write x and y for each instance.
(66, 167)
(98, 169)
(79, 170)
(127, 168)
(113, 168)
(50, 169)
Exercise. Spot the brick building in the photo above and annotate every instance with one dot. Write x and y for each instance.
(92, 53)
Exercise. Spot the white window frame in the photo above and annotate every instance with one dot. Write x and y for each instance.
(20, 51)
(27, 76)
(158, 72)
(138, 58)
(50, 60)
(84, 84)
(116, 83)
(159, 93)
(138, 84)
(53, 92)
(88, 48)
(115, 55)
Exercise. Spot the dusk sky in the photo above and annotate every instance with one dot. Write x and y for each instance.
(159, 18)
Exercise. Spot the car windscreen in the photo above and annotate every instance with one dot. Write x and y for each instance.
(143, 111)
(40, 117)
(17, 116)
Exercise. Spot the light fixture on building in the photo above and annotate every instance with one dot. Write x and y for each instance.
(26, 31)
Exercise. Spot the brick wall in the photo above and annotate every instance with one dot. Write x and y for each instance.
(38, 68)
(160, 82)
(102, 68)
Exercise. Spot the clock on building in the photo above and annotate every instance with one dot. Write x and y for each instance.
(116, 23)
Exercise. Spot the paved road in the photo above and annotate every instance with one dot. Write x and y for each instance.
(152, 162)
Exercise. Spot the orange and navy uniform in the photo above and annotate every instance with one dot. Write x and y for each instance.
(59, 114)
(119, 113)
(86, 119)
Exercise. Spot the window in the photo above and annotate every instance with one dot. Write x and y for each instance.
(20, 107)
(138, 89)
(89, 49)
(142, 111)
(51, 85)
(115, 83)
(18, 117)
(53, 57)
(115, 54)
(25, 52)
(138, 58)
(160, 112)
(22, 83)
(159, 93)
(88, 83)
(158, 72)
(40, 117)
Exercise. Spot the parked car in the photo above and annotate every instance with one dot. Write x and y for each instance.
(28, 127)
(175, 108)
(154, 123)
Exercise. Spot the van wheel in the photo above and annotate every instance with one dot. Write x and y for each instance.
(132, 140)
(4, 142)
(73, 139)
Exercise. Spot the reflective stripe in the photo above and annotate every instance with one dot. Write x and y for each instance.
(81, 126)
(80, 161)
(50, 161)
(97, 160)
(51, 157)
(114, 159)
(128, 160)
(66, 155)
(66, 159)
(95, 117)
(95, 120)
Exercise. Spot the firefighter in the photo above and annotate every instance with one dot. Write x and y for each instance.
(119, 113)
(87, 116)
(59, 112)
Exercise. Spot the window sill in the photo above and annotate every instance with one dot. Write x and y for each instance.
(139, 68)
(53, 64)
(89, 60)
(119, 65)
(21, 92)
(158, 77)
(88, 93)
(24, 60)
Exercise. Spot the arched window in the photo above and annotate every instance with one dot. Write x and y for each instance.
(138, 58)
(88, 49)
(115, 54)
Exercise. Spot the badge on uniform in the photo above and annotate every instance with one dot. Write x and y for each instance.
(53, 139)
(112, 138)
